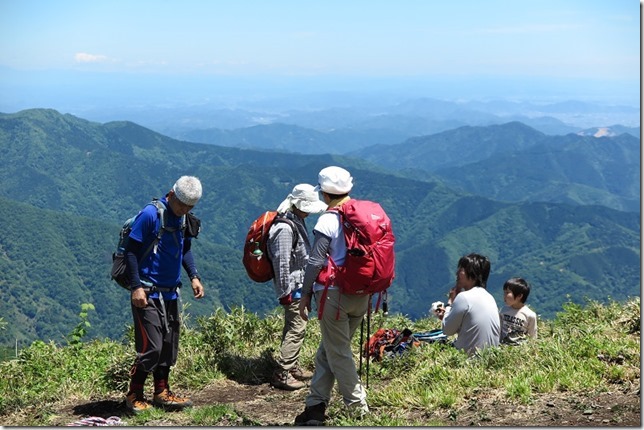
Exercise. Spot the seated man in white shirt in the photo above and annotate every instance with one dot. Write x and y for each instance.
(471, 312)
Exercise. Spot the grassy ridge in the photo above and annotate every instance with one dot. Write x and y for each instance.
(583, 349)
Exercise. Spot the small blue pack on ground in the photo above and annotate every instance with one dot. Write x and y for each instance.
(431, 336)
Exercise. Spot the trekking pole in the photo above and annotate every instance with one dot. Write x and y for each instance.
(368, 334)
(361, 347)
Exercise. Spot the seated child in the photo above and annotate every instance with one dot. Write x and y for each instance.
(518, 321)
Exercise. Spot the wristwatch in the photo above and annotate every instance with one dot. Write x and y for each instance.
(195, 276)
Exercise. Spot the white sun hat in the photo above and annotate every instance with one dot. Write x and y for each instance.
(304, 197)
(334, 180)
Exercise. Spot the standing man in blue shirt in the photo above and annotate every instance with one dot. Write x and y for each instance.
(154, 264)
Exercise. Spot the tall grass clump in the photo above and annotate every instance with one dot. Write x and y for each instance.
(584, 350)
(580, 351)
(243, 346)
(46, 372)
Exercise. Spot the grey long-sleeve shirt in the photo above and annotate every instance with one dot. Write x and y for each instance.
(288, 262)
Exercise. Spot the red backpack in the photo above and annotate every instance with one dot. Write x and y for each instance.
(255, 259)
(369, 264)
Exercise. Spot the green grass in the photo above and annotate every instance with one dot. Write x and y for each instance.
(582, 350)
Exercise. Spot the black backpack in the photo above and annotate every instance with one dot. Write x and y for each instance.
(190, 227)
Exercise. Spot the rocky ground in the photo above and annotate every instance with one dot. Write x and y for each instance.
(262, 405)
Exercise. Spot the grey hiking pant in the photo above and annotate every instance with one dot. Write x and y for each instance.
(334, 358)
(292, 336)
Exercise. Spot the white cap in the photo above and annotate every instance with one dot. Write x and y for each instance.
(334, 180)
(188, 190)
(305, 198)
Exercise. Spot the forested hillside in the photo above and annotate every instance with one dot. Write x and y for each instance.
(514, 162)
(68, 184)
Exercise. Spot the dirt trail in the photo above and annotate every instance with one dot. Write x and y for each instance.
(261, 405)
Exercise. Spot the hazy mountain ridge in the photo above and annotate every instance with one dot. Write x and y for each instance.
(570, 169)
(293, 138)
(102, 173)
(513, 162)
(365, 121)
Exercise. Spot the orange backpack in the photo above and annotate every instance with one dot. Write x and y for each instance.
(255, 259)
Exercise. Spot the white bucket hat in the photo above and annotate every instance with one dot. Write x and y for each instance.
(334, 180)
(188, 190)
(305, 198)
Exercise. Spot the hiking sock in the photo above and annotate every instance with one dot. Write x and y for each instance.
(160, 385)
(161, 374)
(137, 383)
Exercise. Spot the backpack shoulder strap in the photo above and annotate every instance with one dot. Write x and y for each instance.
(284, 219)
(161, 208)
(161, 211)
(339, 210)
(161, 214)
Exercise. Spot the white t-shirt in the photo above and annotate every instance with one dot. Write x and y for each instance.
(329, 225)
(474, 316)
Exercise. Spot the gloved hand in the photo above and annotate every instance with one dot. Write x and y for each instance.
(286, 300)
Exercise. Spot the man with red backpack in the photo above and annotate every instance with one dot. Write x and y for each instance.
(342, 313)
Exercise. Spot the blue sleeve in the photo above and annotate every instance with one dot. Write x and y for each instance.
(132, 256)
(188, 261)
(145, 224)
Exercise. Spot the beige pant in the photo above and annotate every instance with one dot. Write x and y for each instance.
(334, 358)
(292, 336)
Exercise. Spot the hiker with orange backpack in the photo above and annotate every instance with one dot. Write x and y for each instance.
(288, 248)
(339, 313)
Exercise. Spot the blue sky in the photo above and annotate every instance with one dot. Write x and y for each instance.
(591, 41)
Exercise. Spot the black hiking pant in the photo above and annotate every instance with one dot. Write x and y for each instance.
(156, 334)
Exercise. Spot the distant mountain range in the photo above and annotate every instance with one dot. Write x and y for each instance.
(68, 184)
(354, 123)
(513, 162)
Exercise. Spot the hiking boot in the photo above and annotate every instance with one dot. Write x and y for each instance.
(136, 402)
(283, 380)
(300, 374)
(312, 416)
(167, 399)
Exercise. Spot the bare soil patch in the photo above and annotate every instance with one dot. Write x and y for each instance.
(262, 405)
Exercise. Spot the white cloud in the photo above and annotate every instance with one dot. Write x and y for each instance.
(83, 57)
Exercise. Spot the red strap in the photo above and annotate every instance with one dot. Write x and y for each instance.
(330, 277)
(330, 269)
(323, 300)
(377, 303)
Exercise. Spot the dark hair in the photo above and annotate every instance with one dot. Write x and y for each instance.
(335, 196)
(518, 286)
(476, 267)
